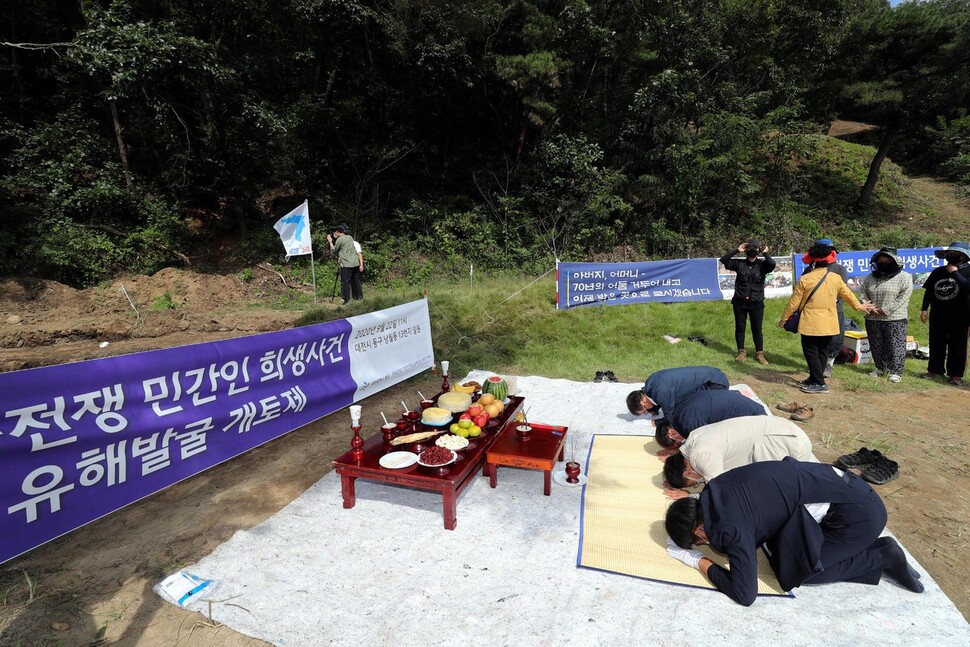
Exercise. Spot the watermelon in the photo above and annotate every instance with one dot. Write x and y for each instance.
(497, 387)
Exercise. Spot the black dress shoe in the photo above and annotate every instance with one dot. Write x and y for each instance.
(609, 375)
(599, 376)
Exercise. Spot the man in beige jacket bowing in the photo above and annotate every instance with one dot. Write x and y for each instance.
(716, 448)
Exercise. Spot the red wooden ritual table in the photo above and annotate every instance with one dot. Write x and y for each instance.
(451, 483)
(538, 451)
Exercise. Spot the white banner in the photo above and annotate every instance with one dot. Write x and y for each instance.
(389, 346)
(294, 231)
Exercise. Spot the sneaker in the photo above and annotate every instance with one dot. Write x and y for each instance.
(956, 381)
(930, 375)
(815, 388)
(345, 302)
(804, 382)
(790, 407)
(599, 376)
(804, 414)
(609, 376)
(895, 378)
(827, 371)
(877, 373)
(882, 471)
(861, 458)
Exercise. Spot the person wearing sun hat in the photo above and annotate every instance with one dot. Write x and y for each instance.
(819, 320)
(889, 288)
(947, 295)
(835, 346)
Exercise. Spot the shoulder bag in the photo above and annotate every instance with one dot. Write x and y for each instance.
(791, 324)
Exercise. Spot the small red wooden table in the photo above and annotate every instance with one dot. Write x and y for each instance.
(544, 446)
(451, 483)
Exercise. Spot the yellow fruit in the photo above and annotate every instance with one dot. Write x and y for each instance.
(500, 405)
(464, 432)
(475, 431)
(492, 410)
(486, 399)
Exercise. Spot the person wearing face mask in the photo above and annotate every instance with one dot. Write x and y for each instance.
(947, 295)
(888, 287)
(749, 294)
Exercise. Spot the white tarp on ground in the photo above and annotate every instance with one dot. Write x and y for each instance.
(387, 573)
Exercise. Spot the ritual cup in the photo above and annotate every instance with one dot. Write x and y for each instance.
(388, 431)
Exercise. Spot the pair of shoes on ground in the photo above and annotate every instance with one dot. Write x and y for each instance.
(953, 379)
(799, 411)
(759, 357)
(895, 378)
(605, 375)
(811, 387)
(876, 468)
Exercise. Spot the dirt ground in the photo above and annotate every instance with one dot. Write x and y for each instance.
(94, 586)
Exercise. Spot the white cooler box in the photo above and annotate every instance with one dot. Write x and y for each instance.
(859, 342)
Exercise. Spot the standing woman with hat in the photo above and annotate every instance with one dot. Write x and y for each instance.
(749, 294)
(888, 287)
(948, 295)
(819, 320)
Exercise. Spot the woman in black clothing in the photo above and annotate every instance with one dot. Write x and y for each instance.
(749, 294)
(947, 294)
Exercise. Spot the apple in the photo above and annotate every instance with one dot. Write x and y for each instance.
(465, 416)
(475, 410)
(481, 419)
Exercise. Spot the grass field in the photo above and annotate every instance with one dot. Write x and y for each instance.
(509, 326)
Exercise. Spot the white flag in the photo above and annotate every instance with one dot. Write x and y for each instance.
(294, 231)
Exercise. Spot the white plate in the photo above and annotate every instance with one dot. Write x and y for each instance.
(398, 460)
(454, 457)
(459, 442)
(560, 478)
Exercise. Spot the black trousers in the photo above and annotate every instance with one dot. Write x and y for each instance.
(948, 349)
(346, 277)
(835, 346)
(742, 311)
(815, 349)
(848, 554)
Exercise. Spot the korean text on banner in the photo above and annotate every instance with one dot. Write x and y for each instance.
(584, 284)
(79, 441)
(294, 231)
(916, 262)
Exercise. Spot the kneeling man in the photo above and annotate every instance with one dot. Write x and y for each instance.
(767, 503)
(664, 388)
(714, 449)
(701, 409)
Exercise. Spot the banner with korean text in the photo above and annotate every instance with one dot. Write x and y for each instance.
(585, 284)
(79, 441)
(916, 262)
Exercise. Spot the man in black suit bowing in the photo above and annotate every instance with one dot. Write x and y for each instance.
(818, 524)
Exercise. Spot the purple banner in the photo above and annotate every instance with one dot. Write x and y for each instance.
(78, 441)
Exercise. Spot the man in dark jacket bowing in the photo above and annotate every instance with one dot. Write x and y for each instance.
(664, 388)
(818, 524)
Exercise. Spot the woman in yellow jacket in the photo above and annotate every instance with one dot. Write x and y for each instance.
(819, 321)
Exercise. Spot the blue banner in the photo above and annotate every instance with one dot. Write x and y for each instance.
(78, 441)
(916, 262)
(586, 284)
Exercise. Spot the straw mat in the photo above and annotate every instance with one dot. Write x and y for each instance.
(622, 518)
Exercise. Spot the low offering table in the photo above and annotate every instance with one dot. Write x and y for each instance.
(538, 448)
(450, 480)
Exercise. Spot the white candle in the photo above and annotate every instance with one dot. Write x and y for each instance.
(444, 367)
(355, 413)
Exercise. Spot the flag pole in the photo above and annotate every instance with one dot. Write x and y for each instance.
(313, 272)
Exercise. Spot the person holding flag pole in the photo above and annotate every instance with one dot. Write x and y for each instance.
(294, 231)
